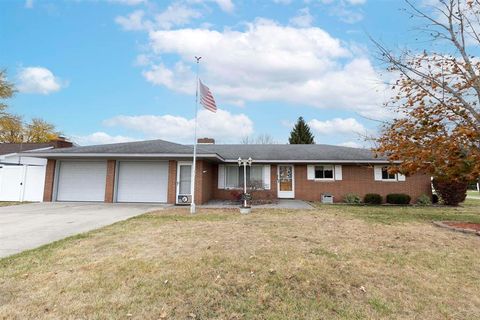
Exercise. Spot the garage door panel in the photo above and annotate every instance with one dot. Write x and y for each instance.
(81, 181)
(142, 181)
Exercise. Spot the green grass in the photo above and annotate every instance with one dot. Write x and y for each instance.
(473, 193)
(335, 262)
(467, 211)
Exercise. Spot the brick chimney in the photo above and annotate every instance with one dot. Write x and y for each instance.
(61, 142)
(206, 141)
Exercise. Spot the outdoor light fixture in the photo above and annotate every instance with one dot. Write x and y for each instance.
(245, 163)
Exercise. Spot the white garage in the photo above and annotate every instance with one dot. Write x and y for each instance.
(81, 180)
(142, 181)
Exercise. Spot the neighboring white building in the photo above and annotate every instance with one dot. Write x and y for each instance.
(23, 178)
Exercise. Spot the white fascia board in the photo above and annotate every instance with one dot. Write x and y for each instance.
(120, 155)
(320, 161)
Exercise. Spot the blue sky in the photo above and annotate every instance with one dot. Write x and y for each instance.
(122, 70)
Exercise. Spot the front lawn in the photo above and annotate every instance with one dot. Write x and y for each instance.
(334, 262)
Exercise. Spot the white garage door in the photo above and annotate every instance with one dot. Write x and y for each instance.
(81, 181)
(142, 181)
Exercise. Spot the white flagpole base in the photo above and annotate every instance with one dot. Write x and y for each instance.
(192, 208)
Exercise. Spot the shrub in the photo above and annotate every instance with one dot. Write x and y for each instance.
(351, 198)
(398, 198)
(451, 192)
(435, 198)
(372, 198)
(424, 200)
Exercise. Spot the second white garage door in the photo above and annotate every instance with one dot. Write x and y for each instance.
(142, 181)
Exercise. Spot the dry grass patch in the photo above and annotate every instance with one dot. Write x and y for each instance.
(273, 264)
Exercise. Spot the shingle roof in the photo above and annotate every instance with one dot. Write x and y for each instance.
(8, 148)
(288, 152)
(137, 147)
(227, 152)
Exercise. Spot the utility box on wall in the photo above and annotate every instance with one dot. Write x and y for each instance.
(327, 198)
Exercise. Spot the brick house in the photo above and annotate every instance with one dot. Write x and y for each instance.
(160, 171)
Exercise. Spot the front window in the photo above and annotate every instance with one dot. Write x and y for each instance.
(323, 172)
(234, 177)
(388, 176)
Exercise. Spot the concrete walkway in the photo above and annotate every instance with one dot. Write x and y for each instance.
(28, 226)
(280, 204)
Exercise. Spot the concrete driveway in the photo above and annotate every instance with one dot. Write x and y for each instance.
(28, 226)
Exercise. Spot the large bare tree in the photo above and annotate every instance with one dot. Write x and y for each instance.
(437, 95)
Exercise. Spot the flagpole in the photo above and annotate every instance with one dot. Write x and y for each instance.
(192, 204)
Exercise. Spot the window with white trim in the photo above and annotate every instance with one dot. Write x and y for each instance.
(324, 172)
(388, 176)
(234, 177)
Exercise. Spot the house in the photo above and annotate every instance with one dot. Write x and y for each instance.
(22, 177)
(160, 171)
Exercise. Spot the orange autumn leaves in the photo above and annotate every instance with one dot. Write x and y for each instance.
(437, 130)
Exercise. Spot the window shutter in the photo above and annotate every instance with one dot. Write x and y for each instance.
(338, 172)
(266, 177)
(221, 176)
(401, 177)
(310, 172)
(378, 173)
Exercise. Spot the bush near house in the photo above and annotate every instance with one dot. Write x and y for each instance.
(372, 198)
(424, 200)
(451, 192)
(398, 198)
(352, 198)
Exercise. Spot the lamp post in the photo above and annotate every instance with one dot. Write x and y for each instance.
(244, 163)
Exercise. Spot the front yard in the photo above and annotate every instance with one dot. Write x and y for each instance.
(343, 262)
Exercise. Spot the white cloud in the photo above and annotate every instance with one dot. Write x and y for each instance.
(223, 126)
(337, 126)
(344, 2)
(174, 15)
(29, 4)
(38, 80)
(347, 15)
(128, 2)
(100, 138)
(225, 5)
(351, 144)
(282, 1)
(346, 10)
(303, 18)
(134, 21)
(304, 66)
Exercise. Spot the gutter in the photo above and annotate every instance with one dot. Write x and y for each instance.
(54, 155)
(320, 161)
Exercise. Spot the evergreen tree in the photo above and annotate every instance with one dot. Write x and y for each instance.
(301, 133)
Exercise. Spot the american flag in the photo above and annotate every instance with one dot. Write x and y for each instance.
(206, 98)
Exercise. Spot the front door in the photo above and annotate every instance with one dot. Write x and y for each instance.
(286, 183)
(184, 182)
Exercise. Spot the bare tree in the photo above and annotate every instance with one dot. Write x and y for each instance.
(263, 138)
(437, 95)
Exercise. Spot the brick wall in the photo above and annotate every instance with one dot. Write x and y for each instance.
(172, 181)
(205, 175)
(359, 180)
(355, 179)
(49, 180)
(110, 181)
